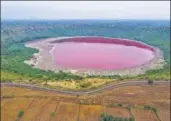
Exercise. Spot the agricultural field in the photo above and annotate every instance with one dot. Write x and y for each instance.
(148, 102)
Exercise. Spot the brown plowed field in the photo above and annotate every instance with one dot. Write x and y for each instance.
(35, 109)
(11, 107)
(38, 105)
(66, 112)
(45, 115)
(90, 112)
(144, 115)
(118, 111)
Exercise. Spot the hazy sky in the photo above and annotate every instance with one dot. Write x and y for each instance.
(85, 9)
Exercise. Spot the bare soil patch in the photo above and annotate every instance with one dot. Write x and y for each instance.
(11, 108)
(47, 111)
(118, 111)
(66, 112)
(144, 115)
(90, 112)
(35, 109)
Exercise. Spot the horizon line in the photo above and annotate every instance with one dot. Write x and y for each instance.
(72, 19)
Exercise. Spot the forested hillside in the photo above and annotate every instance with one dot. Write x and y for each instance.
(15, 33)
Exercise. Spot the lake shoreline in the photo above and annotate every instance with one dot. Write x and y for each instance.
(44, 60)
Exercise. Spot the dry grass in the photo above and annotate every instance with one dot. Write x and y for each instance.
(86, 83)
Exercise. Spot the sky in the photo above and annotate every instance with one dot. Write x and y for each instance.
(56, 10)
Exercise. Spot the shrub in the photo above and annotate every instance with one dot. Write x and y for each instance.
(154, 109)
(110, 118)
(126, 119)
(150, 81)
(151, 107)
(129, 107)
(52, 114)
(147, 107)
(105, 117)
(120, 105)
(20, 114)
(132, 119)
(84, 85)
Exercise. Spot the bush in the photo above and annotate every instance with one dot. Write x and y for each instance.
(129, 107)
(147, 107)
(105, 117)
(126, 119)
(20, 114)
(150, 81)
(154, 109)
(151, 108)
(84, 85)
(52, 114)
(120, 105)
(132, 119)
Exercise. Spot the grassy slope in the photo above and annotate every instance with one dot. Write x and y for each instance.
(14, 34)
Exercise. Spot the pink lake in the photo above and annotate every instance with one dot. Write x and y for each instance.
(100, 53)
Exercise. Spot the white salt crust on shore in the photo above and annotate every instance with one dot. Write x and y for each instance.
(44, 60)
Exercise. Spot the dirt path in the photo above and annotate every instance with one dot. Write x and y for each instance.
(106, 87)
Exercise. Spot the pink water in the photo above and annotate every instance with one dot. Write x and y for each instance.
(100, 53)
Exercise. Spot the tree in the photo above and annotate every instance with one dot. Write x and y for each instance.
(105, 117)
(20, 114)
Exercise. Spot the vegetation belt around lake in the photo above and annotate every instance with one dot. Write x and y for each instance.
(15, 34)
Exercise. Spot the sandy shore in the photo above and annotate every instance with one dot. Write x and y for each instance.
(43, 60)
